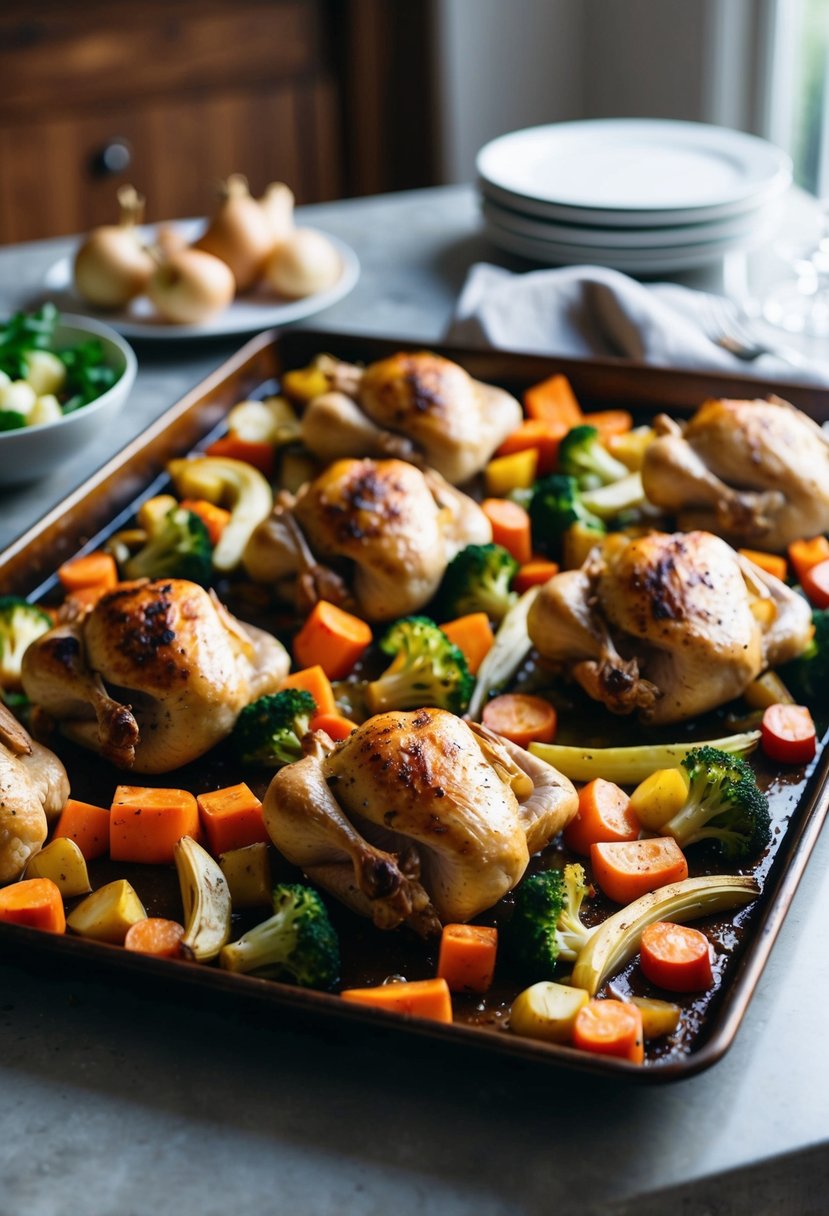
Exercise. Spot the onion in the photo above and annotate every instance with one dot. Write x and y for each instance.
(304, 264)
(112, 265)
(189, 286)
(239, 233)
(278, 204)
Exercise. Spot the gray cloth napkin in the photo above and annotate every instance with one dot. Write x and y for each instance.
(581, 311)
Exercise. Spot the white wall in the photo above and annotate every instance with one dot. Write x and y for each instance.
(504, 64)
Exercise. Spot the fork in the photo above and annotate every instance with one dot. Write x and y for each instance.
(724, 325)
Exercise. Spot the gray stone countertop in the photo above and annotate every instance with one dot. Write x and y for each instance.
(117, 1103)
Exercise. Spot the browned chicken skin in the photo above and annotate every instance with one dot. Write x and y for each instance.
(154, 676)
(669, 625)
(756, 472)
(418, 406)
(33, 790)
(395, 526)
(417, 817)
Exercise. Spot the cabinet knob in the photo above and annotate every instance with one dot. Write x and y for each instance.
(113, 158)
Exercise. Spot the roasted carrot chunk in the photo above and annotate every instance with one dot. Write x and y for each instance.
(232, 818)
(803, 554)
(510, 527)
(467, 957)
(609, 423)
(538, 435)
(92, 570)
(626, 870)
(610, 1028)
(772, 563)
(604, 814)
(534, 573)
(257, 453)
(676, 957)
(521, 718)
(87, 825)
(315, 681)
(156, 936)
(473, 636)
(331, 639)
(420, 998)
(553, 400)
(146, 823)
(213, 517)
(335, 726)
(35, 902)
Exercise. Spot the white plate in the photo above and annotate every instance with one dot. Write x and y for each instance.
(631, 261)
(257, 310)
(728, 230)
(632, 172)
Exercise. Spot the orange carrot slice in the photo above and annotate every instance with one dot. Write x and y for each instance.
(788, 734)
(473, 636)
(609, 423)
(315, 681)
(92, 570)
(259, 454)
(676, 957)
(232, 818)
(553, 400)
(146, 823)
(156, 936)
(35, 902)
(87, 825)
(335, 726)
(420, 998)
(604, 815)
(626, 870)
(467, 957)
(521, 718)
(610, 1028)
(539, 435)
(332, 639)
(510, 527)
(815, 583)
(803, 554)
(535, 573)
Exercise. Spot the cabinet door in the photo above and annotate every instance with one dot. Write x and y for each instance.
(54, 179)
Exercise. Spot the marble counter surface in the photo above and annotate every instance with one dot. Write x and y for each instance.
(122, 1103)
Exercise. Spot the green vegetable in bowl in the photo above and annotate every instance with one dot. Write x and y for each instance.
(40, 384)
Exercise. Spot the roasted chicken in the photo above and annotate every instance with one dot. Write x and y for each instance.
(419, 407)
(388, 528)
(416, 818)
(669, 625)
(33, 790)
(154, 676)
(756, 472)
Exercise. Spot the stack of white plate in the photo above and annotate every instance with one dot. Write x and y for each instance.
(645, 196)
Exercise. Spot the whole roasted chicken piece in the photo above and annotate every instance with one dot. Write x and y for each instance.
(33, 790)
(417, 817)
(420, 407)
(389, 528)
(756, 472)
(154, 676)
(669, 625)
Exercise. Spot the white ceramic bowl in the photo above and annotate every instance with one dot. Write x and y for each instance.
(34, 451)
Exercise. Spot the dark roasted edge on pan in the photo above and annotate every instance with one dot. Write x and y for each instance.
(33, 559)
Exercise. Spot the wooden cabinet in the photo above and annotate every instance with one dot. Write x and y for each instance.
(170, 95)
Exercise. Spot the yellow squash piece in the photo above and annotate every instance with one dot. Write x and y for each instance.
(658, 1017)
(768, 689)
(248, 875)
(630, 765)
(64, 863)
(305, 383)
(514, 472)
(659, 797)
(106, 914)
(547, 1011)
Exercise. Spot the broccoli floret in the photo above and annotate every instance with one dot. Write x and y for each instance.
(808, 675)
(582, 455)
(179, 548)
(298, 943)
(478, 580)
(724, 805)
(269, 731)
(555, 506)
(545, 924)
(20, 623)
(427, 670)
